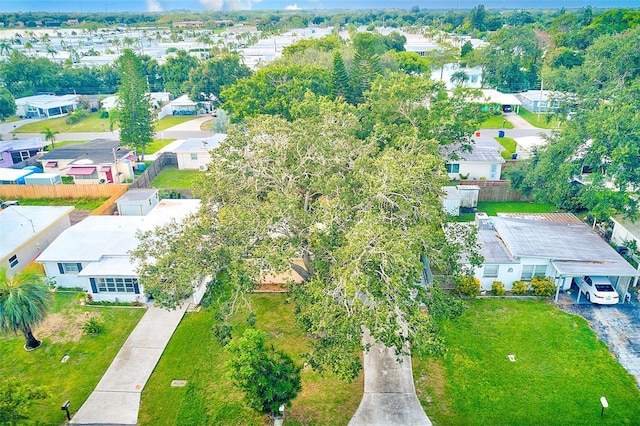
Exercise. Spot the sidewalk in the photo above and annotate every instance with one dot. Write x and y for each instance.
(116, 398)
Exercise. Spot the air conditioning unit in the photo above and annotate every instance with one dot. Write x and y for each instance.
(202, 167)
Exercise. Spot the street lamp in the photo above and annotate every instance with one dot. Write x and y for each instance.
(65, 407)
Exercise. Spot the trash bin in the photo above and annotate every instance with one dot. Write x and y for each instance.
(514, 156)
(477, 134)
(501, 133)
(141, 167)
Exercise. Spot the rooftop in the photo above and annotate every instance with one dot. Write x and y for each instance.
(201, 144)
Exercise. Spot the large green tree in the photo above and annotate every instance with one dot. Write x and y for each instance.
(212, 75)
(348, 198)
(24, 302)
(269, 378)
(135, 114)
(175, 71)
(7, 104)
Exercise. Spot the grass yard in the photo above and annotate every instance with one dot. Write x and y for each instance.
(492, 208)
(543, 121)
(496, 122)
(156, 145)
(78, 203)
(172, 120)
(89, 356)
(560, 373)
(509, 145)
(91, 123)
(209, 398)
(172, 178)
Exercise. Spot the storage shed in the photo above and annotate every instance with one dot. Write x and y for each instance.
(137, 202)
(452, 200)
(43, 179)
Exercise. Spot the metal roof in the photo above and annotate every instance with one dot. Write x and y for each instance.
(141, 194)
(112, 266)
(201, 144)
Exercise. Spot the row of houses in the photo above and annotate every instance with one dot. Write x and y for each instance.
(95, 253)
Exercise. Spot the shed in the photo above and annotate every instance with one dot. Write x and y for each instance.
(43, 179)
(137, 202)
(452, 200)
(468, 195)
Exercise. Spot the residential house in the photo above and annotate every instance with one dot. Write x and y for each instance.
(540, 100)
(526, 145)
(27, 231)
(492, 96)
(98, 161)
(447, 71)
(17, 150)
(16, 176)
(45, 106)
(180, 106)
(625, 231)
(193, 154)
(557, 245)
(483, 162)
(157, 99)
(95, 255)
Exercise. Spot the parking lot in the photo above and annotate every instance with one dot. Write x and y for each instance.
(616, 325)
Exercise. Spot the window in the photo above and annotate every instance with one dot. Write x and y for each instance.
(69, 268)
(194, 156)
(452, 168)
(13, 261)
(116, 285)
(491, 271)
(530, 271)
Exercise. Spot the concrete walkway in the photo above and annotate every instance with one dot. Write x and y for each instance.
(116, 399)
(389, 397)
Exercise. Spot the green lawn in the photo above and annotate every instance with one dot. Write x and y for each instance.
(89, 356)
(543, 120)
(156, 145)
(509, 146)
(172, 178)
(560, 373)
(209, 398)
(78, 203)
(173, 120)
(492, 208)
(496, 122)
(91, 123)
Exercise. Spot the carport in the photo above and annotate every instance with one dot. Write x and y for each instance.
(617, 270)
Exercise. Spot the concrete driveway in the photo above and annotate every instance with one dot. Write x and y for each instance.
(619, 327)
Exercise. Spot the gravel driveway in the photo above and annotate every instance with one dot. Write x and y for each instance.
(619, 327)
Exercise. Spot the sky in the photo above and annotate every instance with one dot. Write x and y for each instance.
(167, 5)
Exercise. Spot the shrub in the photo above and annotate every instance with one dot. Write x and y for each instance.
(92, 326)
(76, 116)
(103, 113)
(467, 285)
(222, 333)
(251, 319)
(543, 286)
(441, 305)
(497, 288)
(520, 287)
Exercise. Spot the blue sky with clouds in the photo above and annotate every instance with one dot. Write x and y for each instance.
(165, 5)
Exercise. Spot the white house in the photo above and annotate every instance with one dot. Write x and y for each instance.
(444, 74)
(193, 154)
(28, 230)
(94, 253)
(557, 245)
(180, 106)
(525, 146)
(624, 231)
(45, 106)
(484, 162)
(540, 100)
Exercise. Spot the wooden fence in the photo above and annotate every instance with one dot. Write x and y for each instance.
(109, 190)
(166, 159)
(496, 190)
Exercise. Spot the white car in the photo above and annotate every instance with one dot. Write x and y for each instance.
(598, 290)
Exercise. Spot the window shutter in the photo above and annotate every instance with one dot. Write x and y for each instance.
(79, 266)
(94, 289)
(60, 268)
(136, 288)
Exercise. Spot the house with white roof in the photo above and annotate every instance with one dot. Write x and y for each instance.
(94, 254)
(180, 106)
(15, 151)
(27, 231)
(518, 246)
(540, 100)
(193, 154)
(45, 106)
(526, 145)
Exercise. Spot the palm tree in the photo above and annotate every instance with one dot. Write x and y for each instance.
(50, 135)
(24, 302)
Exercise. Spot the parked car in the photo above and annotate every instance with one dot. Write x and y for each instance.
(598, 290)
(507, 108)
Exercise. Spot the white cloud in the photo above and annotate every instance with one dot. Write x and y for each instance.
(154, 6)
(228, 4)
(292, 7)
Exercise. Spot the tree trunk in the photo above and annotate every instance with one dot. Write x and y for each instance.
(31, 341)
